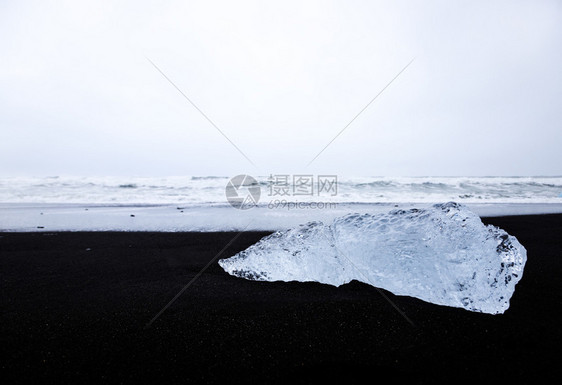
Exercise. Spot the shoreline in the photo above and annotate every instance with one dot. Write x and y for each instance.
(75, 305)
(211, 218)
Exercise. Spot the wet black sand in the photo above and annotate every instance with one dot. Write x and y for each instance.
(74, 308)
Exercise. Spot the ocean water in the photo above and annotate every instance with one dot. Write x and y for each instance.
(211, 189)
(193, 203)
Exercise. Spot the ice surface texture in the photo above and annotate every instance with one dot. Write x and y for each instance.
(443, 254)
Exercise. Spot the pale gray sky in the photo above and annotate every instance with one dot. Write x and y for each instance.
(281, 79)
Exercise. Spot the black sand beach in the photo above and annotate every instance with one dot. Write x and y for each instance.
(74, 308)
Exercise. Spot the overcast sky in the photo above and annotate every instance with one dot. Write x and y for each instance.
(281, 79)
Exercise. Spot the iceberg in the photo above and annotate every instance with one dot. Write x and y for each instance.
(442, 254)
